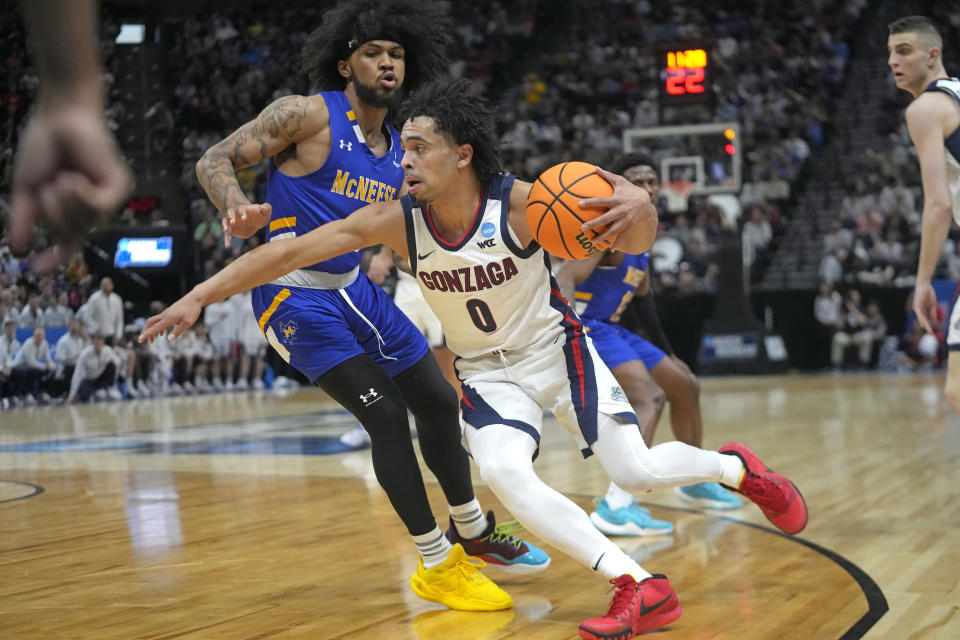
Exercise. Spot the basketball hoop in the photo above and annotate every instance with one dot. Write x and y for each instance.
(677, 193)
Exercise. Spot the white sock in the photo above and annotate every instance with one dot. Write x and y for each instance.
(433, 547)
(469, 519)
(617, 498)
(731, 470)
(615, 563)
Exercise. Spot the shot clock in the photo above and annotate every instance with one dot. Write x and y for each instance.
(685, 76)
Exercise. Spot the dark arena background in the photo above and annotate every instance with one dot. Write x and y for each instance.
(223, 496)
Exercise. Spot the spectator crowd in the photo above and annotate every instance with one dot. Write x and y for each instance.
(567, 81)
(588, 73)
(75, 340)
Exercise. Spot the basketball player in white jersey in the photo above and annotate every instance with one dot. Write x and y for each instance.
(933, 119)
(521, 348)
(252, 343)
(220, 319)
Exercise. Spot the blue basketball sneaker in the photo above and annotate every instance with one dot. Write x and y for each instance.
(499, 548)
(632, 520)
(709, 495)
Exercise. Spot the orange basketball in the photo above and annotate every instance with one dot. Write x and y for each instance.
(554, 213)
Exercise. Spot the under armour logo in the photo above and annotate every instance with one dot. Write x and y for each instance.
(348, 145)
(370, 397)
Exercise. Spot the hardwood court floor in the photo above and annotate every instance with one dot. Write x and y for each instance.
(211, 517)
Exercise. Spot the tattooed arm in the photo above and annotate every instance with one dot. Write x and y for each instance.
(287, 121)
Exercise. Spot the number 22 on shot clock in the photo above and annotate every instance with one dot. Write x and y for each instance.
(684, 76)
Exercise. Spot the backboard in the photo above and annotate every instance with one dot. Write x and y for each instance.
(694, 159)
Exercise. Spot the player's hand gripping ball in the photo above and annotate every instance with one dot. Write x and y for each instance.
(555, 215)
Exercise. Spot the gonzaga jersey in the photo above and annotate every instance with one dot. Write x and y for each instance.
(951, 86)
(350, 178)
(609, 289)
(488, 292)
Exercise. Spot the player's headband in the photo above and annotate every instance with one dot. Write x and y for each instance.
(354, 42)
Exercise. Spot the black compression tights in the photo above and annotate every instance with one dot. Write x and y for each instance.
(380, 404)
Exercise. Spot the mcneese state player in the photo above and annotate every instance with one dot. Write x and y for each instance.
(933, 119)
(330, 154)
(607, 289)
(521, 349)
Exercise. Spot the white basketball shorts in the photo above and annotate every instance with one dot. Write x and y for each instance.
(563, 375)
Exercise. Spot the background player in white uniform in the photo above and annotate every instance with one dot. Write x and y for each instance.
(521, 348)
(411, 302)
(252, 344)
(187, 359)
(933, 119)
(221, 319)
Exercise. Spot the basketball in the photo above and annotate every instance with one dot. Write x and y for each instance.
(554, 213)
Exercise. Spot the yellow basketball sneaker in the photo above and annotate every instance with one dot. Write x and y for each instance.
(458, 584)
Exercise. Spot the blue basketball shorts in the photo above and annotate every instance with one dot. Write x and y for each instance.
(316, 329)
(617, 345)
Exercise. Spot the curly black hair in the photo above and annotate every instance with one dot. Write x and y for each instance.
(627, 160)
(462, 115)
(421, 26)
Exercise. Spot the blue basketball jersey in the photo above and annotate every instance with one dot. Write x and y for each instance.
(315, 328)
(350, 178)
(608, 290)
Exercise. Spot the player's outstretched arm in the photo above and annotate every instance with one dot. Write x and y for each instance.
(380, 223)
(925, 117)
(570, 273)
(288, 120)
(630, 215)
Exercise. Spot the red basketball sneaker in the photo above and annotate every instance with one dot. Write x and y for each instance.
(777, 497)
(636, 607)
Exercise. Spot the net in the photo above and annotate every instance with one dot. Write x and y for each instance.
(677, 193)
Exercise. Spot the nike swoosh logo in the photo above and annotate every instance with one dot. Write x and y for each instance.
(644, 610)
(598, 562)
(425, 255)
